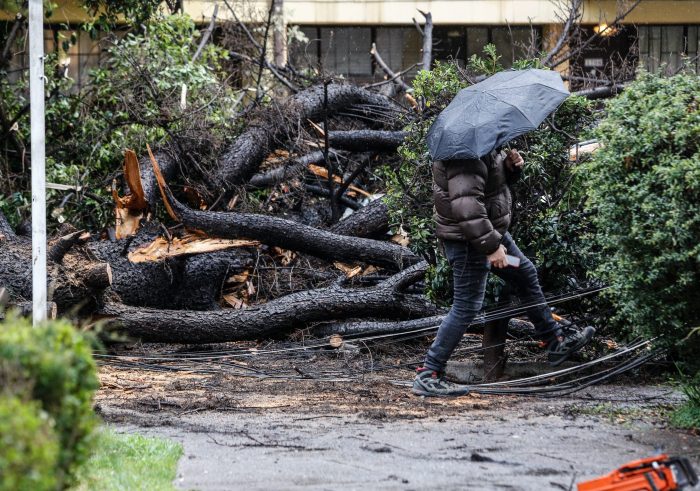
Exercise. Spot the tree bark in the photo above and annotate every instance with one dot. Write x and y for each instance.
(279, 34)
(516, 327)
(169, 168)
(366, 140)
(62, 245)
(601, 92)
(291, 235)
(370, 221)
(77, 281)
(427, 40)
(6, 229)
(240, 162)
(275, 317)
(280, 174)
(184, 282)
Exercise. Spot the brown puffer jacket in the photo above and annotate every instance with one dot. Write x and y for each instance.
(472, 200)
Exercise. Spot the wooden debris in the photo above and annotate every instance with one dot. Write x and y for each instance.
(286, 256)
(160, 248)
(348, 270)
(336, 341)
(129, 209)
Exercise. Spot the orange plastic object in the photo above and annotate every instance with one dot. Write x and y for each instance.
(650, 474)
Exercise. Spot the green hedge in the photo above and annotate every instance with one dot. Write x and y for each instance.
(52, 368)
(28, 446)
(643, 190)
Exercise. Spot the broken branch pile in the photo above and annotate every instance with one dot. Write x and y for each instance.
(277, 259)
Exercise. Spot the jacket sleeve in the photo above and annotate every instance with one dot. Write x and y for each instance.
(466, 180)
(513, 176)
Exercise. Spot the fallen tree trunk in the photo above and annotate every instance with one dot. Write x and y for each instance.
(295, 236)
(288, 234)
(601, 92)
(517, 328)
(370, 221)
(275, 176)
(25, 309)
(275, 317)
(193, 282)
(245, 154)
(169, 169)
(76, 280)
(366, 140)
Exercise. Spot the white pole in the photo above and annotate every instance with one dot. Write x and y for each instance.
(38, 160)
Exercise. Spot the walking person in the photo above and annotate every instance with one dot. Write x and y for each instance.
(472, 213)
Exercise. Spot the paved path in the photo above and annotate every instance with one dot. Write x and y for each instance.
(533, 445)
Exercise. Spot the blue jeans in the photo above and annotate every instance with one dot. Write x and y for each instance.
(470, 270)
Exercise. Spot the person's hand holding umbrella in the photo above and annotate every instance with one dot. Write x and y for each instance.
(514, 161)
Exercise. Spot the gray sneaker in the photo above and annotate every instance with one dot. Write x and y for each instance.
(430, 383)
(568, 342)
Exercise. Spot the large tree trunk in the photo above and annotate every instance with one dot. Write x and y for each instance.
(169, 168)
(517, 328)
(366, 140)
(275, 317)
(287, 234)
(73, 281)
(245, 154)
(186, 282)
(370, 221)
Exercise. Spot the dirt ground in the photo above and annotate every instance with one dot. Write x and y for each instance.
(243, 427)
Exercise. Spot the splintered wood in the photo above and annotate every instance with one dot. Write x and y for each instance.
(160, 248)
(129, 209)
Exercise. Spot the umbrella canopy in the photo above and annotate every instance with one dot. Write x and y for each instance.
(486, 115)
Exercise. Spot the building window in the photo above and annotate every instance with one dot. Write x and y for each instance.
(665, 47)
(345, 50)
(460, 43)
(400, 48)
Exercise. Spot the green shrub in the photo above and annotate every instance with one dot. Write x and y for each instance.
(131, 99)
(548, 221)
(28, 447)
(643, 191)
(52, 364)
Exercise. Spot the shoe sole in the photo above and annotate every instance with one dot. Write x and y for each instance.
(425, 393)
(573, 350)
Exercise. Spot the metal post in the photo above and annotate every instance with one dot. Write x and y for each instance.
(38, 159)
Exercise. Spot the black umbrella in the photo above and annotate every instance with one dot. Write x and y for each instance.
(486, 115)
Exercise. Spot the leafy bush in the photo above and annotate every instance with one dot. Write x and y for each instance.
(643, 191)
(548, 221)
(28, 447)
(52, 365)
(132, 99)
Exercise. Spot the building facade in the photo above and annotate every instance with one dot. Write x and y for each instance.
(338, 35)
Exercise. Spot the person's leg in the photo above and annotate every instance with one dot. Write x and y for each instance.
(562, 341)
(469, 270)
(527, 286)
